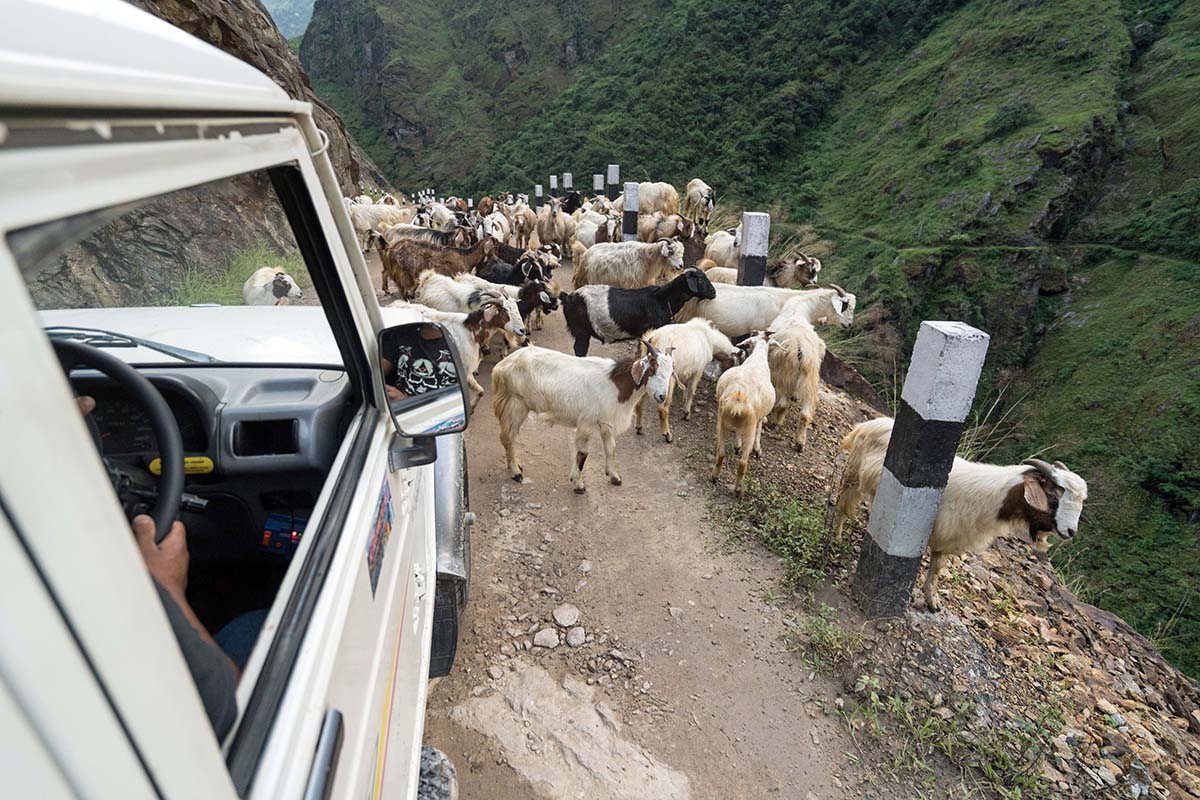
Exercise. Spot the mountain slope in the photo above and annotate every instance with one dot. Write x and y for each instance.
(290, 16)
(431, 87)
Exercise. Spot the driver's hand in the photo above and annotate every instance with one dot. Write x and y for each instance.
(86, 404)
(167, 563)
(393, 393)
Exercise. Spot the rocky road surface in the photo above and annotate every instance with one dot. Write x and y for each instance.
(612, 647)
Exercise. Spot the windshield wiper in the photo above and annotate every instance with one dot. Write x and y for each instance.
(97, 337)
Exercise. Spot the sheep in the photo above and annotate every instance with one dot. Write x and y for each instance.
(524, 221)
(369, 217)
(406, 259)
(738, 310)
(554, 226)
(744, 398)
(657, 225)
(611, 314)
(270, 286)
(446, 294)
(531, 296)
(656, 197)
(469, 332)
(628, 264)
(697, 343)
(595, 396)
(795, 371)
(698, 201)
(981, 502)
(723, 247)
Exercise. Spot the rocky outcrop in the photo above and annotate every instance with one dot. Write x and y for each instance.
(244, 29)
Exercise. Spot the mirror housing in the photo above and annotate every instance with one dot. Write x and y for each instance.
(423, 381)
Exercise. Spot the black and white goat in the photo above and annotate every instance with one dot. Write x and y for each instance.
(611, 314)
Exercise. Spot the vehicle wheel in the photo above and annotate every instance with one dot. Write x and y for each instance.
(438, 779)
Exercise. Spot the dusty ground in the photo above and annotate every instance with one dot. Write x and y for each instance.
(682, 686)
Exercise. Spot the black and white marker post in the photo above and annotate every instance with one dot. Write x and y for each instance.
(470, 202)
(568, 182)
(597, 184)
(537, 197)
(756, 234)
(938, 392)
(554, 186)
(614, 177)
(630, 218)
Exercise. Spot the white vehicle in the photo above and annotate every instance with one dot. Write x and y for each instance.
(144, 175)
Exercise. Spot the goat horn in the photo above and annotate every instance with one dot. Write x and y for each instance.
(1061, 466)
(841, 292)
(1040, 465)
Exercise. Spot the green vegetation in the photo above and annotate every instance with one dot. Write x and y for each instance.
(222, 283)
(1029, 168)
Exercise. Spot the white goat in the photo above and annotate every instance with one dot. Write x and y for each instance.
(726, 275)
(656, 196)
(370, 217)
(270, 286)
(723, 247)
(444, 293)
(795, 371)
(657, 225)
(744, 398)
(595, 396)
(698, 201)
(738, 310)
(981, 502)
(628, 265)
(696, 344)
(497, 226)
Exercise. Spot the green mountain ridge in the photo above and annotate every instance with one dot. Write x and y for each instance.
(1030, 167)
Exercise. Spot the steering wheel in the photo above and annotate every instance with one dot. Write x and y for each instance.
(165, 508)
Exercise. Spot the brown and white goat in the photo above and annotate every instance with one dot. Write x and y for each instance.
(595, 396)
(405, 260)
(981, 502)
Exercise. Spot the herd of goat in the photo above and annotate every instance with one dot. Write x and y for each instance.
(487, 271)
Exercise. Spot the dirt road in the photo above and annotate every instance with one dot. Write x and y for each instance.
(668, 677)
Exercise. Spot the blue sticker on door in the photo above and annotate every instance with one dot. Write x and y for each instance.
(380, 533)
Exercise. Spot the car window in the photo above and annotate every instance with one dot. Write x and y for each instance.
(211, 273)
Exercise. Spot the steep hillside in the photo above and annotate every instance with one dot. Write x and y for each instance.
(1029, 167)
(430, 88)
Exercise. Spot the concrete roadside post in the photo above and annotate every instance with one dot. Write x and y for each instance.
(938, 392)
(756, 233)
(568, 183)
(470, 202)
(630, 219)
(614, 177)
(597, 184)
(537, 197)
(554, 186)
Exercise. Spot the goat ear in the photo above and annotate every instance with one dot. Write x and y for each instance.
(1035, 495)
(639, 369)
(489, 313)
(545, 298)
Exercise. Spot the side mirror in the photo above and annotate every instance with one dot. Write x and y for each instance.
(423, 381)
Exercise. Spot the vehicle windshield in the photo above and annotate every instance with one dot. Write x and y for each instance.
(209, 274)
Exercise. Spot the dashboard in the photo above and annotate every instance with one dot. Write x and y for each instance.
(243, 420)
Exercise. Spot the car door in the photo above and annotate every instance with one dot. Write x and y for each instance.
(355, 692)
(344, 651)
